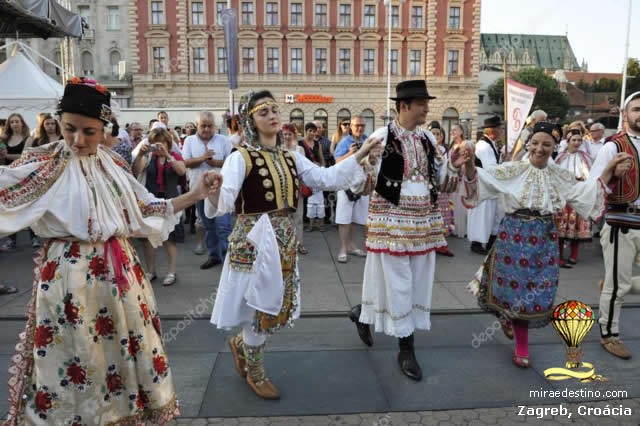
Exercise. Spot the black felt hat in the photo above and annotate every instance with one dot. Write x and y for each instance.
(545, 127)
(412, 89)
(86, 97)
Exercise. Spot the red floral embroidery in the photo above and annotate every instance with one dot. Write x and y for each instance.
(500, 281)
(534, 240)
(71, 312)
(74, 250)
(537, 308)
(507, 260)
(43, 336)
(43, 401)
(142, 399)
(514, 284)
(539, 263)
(531, 285)
(517, 238)
(114, 382)
(552, 261)
(139, 272)
(554, 236)
(134, 346)
(49, 271)
(505, 305)
(503, 235)
(97, 266)
(156, 324)
(524, 263)
(76, 374)
(104, 326)
(159, 365)
(145, 310)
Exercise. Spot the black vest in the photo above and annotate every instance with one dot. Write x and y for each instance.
(391, 173)
(487, 140)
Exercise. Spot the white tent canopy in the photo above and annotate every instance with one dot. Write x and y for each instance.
(26, 89)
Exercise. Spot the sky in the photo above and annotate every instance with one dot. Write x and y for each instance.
(596, 28)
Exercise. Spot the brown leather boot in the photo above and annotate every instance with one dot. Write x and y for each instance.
(614, 346)
(235, 343)
(254, 356)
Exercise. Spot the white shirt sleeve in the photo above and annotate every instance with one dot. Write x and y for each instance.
(339, 176)
(486, 155)
(605, 155)
(233, 171)
(186, 149)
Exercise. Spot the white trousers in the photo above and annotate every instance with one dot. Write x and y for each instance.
(396, 293)
(348, 212)
(620, 251)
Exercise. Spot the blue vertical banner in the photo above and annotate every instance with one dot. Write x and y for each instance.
(230, 27)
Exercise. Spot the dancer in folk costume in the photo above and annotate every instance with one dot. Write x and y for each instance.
(92, 351)
(260, 287)
(518, 280)
(483, 219)
(620, 243)
(459, 210)
(404, 228)
(572, 226)
(444, 199)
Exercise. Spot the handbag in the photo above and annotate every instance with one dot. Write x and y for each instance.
(623, 218)
(305, 190)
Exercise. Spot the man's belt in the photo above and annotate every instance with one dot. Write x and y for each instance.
(623, 216)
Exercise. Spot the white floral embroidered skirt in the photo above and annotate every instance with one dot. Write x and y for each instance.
(92, 351)
(396, 293)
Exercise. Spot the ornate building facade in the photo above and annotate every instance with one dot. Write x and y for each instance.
(322, 59)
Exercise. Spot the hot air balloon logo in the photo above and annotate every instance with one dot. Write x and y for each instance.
(573, 320)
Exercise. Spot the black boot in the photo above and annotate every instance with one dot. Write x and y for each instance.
(363, 329)
(407, 359)
(477, 248)
(492, 239)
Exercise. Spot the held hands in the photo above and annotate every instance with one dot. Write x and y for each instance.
(209, 183)
(622, 166)
(371, 147)
(463, 156)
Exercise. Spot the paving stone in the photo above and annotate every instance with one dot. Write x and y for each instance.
(199, 422)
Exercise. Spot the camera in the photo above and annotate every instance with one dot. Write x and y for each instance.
(153, 148)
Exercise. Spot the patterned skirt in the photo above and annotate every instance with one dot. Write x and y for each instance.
(445, 204)
(571, 226)
(519, 277)
(92, 351)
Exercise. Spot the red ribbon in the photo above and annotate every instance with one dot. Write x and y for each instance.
(118, 263)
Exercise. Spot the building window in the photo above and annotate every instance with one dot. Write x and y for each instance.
(454, 18)
(247, 13)
(114, 61)
(395, 16)
(199, 60)
(87, 64)
(159, 60)
(452, 62)
(222, 60)
(414, 62)
(345, 61)
(197, 13)
(272, 13)
(480, 99)
(343, 115)
(220, 6)
(416, 17)
(85, 12)
(113, 18)
(296, 60)
(248, 60)
(345, 15)
(369, 16)
(157, 13)
(321, 15)
(297, 118)
(368, 61)
(321, 60)
(273, 60)
(369, 121)
(394, 61)
(296, 15)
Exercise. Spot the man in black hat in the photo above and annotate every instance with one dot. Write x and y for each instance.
(483, 220)
(404, 228)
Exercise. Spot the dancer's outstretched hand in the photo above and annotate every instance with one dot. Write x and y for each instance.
(371, 147)
(462, 155)
(209, 183)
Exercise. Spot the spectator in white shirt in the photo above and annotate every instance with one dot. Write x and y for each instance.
(597, 139)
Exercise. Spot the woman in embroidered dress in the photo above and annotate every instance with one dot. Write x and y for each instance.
(572, 226)
(92, 350)
(459, 211)
(519, 277)
(444, 200)
(259, 291)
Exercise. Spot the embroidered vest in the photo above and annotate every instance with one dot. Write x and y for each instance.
(478, 162)
(263, 189)
(391, 173)
(626, 189)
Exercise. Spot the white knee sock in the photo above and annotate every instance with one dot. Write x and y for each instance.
(250, 338)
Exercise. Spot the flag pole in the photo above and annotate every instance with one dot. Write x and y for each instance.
(387, 4)
(231, 112)
(506, 140)
(624, 72)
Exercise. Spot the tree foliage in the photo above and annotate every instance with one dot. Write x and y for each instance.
(549, 97)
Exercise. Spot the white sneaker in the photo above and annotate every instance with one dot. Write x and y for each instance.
(199, 250)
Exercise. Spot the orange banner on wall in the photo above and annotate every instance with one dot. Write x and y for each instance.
(316, 99)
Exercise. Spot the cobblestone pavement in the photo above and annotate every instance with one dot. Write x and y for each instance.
(584, 413)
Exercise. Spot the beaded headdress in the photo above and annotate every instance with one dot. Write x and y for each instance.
(87, 97)
(249, 129)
